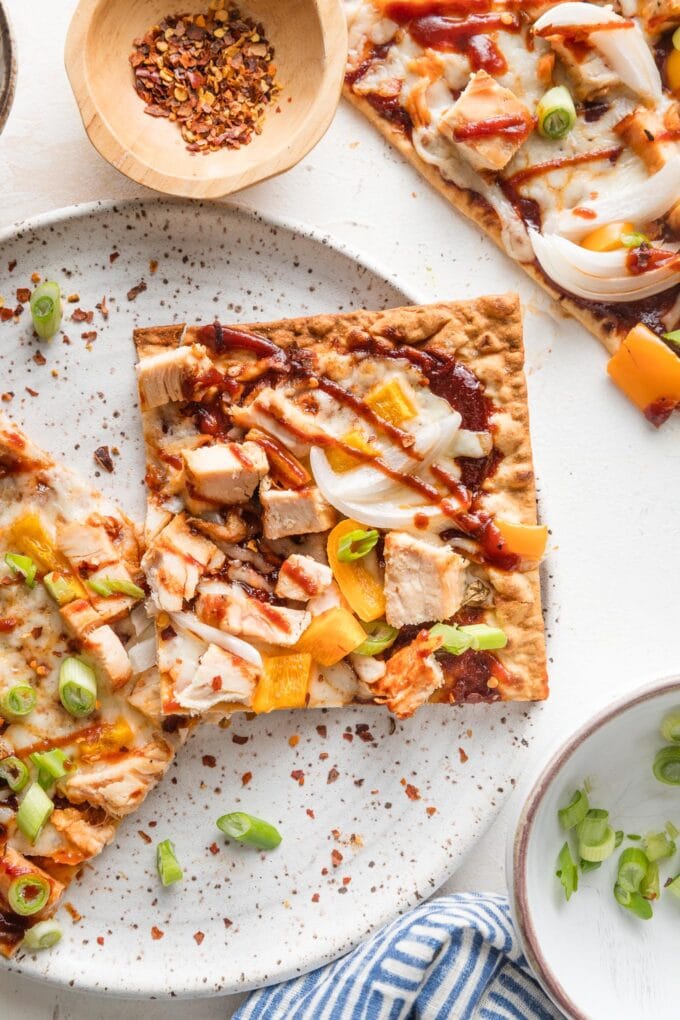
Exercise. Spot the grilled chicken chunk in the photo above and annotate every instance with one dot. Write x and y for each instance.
(302, 578)
(228, 607)
(106, 650)
(84, 836)
(659, 15)
(643, 131)
(225, 473)
(482, 101)
(172, 375)
(591, 75)
(80, 618)
(423, 581)
(175, 562)
(272, 411)
(120, 785)
(411, 677)
(93, 556)
(295, 511)
(220, 676)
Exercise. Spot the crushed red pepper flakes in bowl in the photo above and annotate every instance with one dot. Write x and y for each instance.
(212, 74)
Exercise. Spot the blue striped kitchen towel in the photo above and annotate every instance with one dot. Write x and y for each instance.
(454, 958)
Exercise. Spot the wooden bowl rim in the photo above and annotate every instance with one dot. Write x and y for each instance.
(334, 35)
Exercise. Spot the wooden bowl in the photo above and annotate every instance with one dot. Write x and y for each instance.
(310, 42)
(8, 68)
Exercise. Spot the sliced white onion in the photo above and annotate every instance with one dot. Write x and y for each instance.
(142, 656)
(241, 649)
(625, 50)
(597, 276)
(640, 203)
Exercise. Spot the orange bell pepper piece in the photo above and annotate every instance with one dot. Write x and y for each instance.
(340, 460)
(112, 738)
(648, 372)
(361, 589)
(607, 238)
(331, 636)
(27, 535)
(392, 402)
(673, 71)
(526, 540)
(284, 682)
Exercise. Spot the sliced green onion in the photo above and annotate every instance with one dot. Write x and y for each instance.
(107, 586)
(28, 894)
(666, 765)
(589, 865)
(246, 829)
(380, 636)
(42, 935)
(650, 888)
(356, 544)
(670, 724)
(479, 636)
(633, 239)
(673, 886)
(22, 565)
(485, 638)
(658, 845)
(46, 309)
(567, 872)
(18, 701)
(673, 337)
(556, 113)
(575, 811)
(599, 851)
(633, 864)
(593, 828)
(169, 870)
(672, 831)
(619, 838)
(51, 766)
(77, 686)
(455, 640)
(14, 772)
(34, 811)
(634, 902)
(634, 836)
(60, 587)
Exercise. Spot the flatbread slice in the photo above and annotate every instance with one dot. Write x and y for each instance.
(62, 544)
(269, 444)
(456, 88)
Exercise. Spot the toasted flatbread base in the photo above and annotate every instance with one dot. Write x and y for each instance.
(609, 331)
(486, 335)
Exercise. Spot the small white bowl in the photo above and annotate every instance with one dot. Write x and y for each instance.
(594, 960)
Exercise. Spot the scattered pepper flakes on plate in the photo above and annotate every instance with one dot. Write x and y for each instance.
(299, 776)
(39, 358)
(156, 933)
(336, 858)
(294, 740)
(35, 278)
(103, 457)
(198, 937)
(135, 291)
(212, 74)
(23, 295)
(462, 755)
(209, 760)
(246, 777)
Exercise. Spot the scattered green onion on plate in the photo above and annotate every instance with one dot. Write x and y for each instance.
(28, 894)
(567, 872)
(575, 811)
(244, 828)
(666, 765)
(42, 935)
(670, 724)
(167, 865)
(46, 309)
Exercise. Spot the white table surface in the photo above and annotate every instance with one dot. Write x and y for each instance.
(357, 190)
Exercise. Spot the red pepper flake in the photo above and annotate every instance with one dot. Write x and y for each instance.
(135, 291)
(73, 299)
(322, 731)
(144, 836)
(324, 871)
(113, 256)
(346, 880)
(198, 937)
(335, 833)
(246, 777)
(214, 849)
(315, 897)
(153, 265)
(39, 358)
(7, 397)
(156, 933)
(103, 457)
(80, 315)
(310, 812)
(299, 776)
(336, 858)
(349, 737)
(332, 776)
(209, 760)
(75, 914)
(430, 811)
(23, 295)
(412, 792)
(238, 739)
(103, 308)
(294, 740)
(462, 755)
(11, 266)
(227, 922)
(7, 624)
(90, 335)
(18, 311)
(100, 940)
(35, 278)
(6, 314)
(31, 393)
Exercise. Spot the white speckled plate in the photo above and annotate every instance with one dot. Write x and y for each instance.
(401, 803)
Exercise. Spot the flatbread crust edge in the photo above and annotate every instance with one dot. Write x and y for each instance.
(608, 331)
(485, 334)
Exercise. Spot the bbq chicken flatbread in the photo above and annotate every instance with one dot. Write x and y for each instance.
(81, 740)
(556, 128)
(342, 509)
